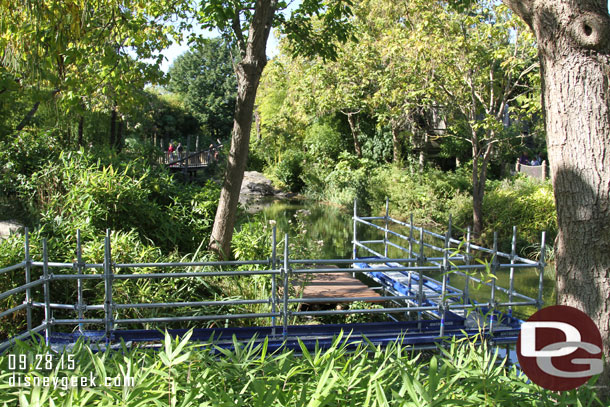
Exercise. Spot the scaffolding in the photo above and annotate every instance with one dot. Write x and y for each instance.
(436, 308)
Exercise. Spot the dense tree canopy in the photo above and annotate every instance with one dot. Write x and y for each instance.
(74, 54)
(205, 79)
(419, 73)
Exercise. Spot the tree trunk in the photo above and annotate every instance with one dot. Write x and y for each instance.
(248, 73)
(396, 153)
(30, 114)
(574, 49)
(257, 118)
(478, 193)
(355, 128)
(119, 136)
(28, 117)
(480, 160)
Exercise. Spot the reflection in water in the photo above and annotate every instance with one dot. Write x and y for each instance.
(334, 226)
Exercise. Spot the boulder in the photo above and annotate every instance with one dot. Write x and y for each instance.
(9, 226)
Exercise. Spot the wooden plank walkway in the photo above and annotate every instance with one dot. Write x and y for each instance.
(333, 285)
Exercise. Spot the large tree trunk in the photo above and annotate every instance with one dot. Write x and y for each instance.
(574, 47)
(248, 73)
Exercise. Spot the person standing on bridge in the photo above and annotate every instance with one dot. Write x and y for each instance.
(179, 150)
(210, 153)
(170, 151)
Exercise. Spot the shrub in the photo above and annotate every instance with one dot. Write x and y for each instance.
(351, 179)
(289, 169)
(23, 154)
(523, 202)
(427, 195)
(324, 141)
(79, 192)
(346, 374)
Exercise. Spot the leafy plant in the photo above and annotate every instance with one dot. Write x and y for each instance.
(348, 372)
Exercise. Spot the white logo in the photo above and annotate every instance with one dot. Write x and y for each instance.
(558, 349)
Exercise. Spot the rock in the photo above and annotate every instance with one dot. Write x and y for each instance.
(257, 191)
(9, 226)
(255, 183)
(260, 189)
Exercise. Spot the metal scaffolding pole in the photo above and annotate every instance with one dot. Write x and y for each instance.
(541, 266)
(79, 266)
(273, 278)
(108, 304)
(48, 316)
(28, 279)
(285, 270)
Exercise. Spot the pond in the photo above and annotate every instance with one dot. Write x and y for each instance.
(332, 228)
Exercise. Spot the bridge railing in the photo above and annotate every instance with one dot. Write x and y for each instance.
(535, 171)
(281, 302)
(189, 159)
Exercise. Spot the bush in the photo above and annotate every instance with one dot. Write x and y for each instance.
(23, 154)
(433, 195)
(324, 141)
(428, 195)
(351, 179)
(523, 202)
(180, 372)
(289, 169)
(79, 192)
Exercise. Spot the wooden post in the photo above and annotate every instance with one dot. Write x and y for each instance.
(544, 174)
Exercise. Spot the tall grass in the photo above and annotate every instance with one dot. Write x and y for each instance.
(182, 373)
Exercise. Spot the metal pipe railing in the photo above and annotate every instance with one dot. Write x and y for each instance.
(415, 266)
(12, 268)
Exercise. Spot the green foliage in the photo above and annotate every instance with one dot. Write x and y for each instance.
(348, 373)
(433, 195)
(426, 195)
(23, 154)
(289, 169)
(324, 141)
(205, 80)
(377, 146)
(72, 56)
(350, 179)
(523, 202)
(80, 192)
(166, 116)
(252, 240)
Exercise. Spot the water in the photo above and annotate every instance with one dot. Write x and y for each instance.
(332, 227)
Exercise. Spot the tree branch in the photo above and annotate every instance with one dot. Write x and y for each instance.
(32, 112)
(523, 8)
(236, 26)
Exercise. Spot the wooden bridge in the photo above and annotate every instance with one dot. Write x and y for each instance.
(189, 163)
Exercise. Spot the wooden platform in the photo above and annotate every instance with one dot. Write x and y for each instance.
(331, 285)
